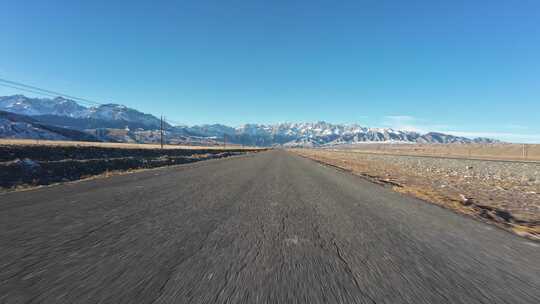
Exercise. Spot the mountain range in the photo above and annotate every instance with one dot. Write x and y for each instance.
(24, 127)
(60, 107)
(118, 123)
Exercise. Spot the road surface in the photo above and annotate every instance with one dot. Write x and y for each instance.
(270, 227)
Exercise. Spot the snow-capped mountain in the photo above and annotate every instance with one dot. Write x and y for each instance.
(123, 113)
(61, 112)
(59, 106)
(215, 130)
(321, 134)
(24, 127)
(23, 105)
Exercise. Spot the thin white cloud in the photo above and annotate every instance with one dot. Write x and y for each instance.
(515, 127)
(400, 117)
(402, 122)
(411, 123)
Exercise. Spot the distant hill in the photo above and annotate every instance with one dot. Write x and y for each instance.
(89, 123)
(80, 115)
(24, 127)
(120, 123)
(434, 137)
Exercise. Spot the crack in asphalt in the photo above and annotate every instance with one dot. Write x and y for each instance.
(351, 273)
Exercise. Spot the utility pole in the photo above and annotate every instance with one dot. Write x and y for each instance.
(161, 131)
(224, 141)
(164, 132)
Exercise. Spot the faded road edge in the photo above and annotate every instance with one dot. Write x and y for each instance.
(500, 218)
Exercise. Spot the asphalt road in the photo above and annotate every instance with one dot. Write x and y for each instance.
(265, 228)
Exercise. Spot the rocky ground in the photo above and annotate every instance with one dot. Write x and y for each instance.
(505, 193)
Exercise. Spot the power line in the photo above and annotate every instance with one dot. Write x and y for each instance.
(161, 132)
(41, 93)
(26, 87)
(27, 90)
(172, 122)
(49, 93)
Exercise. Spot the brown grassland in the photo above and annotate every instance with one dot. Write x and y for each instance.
(32, 142)
(29, 163)
(499, 151)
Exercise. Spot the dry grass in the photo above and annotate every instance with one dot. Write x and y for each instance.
(518, 152)
(17, 177)
(24, 142)
(525, 229)
(106, 174)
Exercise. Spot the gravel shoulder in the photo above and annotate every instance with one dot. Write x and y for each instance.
(500, 192)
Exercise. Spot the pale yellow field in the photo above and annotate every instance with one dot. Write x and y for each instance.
(114, 145)
(529, 152)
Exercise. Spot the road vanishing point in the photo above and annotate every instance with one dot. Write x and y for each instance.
(269, 227)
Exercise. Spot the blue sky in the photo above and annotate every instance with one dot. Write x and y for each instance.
(465, 67)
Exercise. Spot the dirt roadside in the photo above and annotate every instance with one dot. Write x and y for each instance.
(23, 167)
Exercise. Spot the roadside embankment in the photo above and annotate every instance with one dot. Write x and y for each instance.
(33, 165)
(501, 192)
